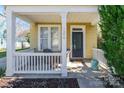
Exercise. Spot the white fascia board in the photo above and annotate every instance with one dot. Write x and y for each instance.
(45, 9)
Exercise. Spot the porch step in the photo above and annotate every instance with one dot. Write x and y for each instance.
(30, 76)
(80, 59)
(37, 76)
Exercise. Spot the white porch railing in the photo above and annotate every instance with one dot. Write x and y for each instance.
(37, 62)
(99, 55)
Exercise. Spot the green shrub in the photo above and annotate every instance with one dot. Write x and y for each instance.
(112, 28)
(2, 72)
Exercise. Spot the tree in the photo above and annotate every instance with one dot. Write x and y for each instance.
(2, 28)
(3, 36)
(28, 36)
(112, 28)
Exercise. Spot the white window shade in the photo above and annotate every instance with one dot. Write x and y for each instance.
(43, 38)
(55, 38)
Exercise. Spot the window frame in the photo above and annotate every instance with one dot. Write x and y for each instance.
(49, 36)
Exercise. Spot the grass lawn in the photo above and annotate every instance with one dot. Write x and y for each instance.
(3, 52)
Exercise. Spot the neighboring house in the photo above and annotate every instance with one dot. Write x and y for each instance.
(22, 39)
(55, 30)
(2, 31)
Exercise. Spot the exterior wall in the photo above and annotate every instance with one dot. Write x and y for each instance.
(91, 40)
(34, 37)
(91, 37)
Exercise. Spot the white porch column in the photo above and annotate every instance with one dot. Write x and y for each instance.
(64, 61)
(10, 42)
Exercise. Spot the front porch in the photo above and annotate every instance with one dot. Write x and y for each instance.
(42, 20)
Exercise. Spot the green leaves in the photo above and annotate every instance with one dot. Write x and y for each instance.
(112, 28)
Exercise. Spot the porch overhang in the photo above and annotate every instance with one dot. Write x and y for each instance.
(84, 17)
(52, 14)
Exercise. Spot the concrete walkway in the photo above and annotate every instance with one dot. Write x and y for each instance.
(89, 80)
(3, 62)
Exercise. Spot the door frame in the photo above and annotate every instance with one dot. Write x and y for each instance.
(84, 38)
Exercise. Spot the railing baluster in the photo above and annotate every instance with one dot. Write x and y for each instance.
(52, 62)
(32, 63)
(37, 63)
(24, 63)
(49, 62)
(43, 63)
(46, 63)
(58, 61)
(19, 64)
(15, 60)
(27, 63)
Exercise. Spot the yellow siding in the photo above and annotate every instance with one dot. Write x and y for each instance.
(34, 35)
(91, 37)
(91, 40)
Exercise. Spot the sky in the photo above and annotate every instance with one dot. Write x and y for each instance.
(21, 22)
(1, 9)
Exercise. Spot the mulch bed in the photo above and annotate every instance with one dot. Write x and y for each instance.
(39, 83)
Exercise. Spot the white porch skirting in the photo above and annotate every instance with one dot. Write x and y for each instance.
(37, 63)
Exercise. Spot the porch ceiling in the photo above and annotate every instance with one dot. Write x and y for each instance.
(84, 17)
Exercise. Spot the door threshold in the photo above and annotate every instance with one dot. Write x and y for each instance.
(80, 59)
(76, 59)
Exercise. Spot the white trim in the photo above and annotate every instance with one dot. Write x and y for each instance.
(49, 34)
(84, 37)
(36, 54)
(57, 9)
(38, 72)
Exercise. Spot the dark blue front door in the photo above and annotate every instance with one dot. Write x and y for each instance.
(77, 44)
